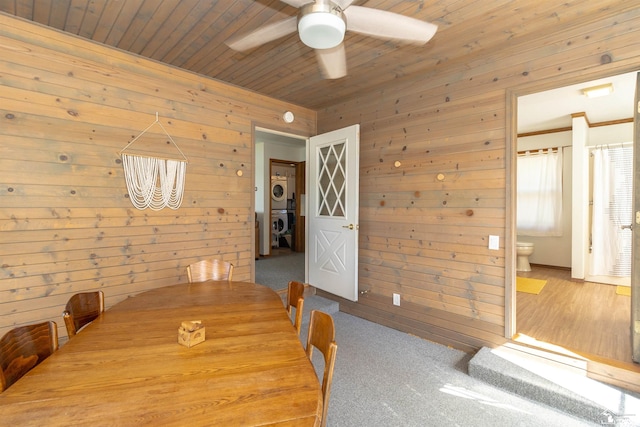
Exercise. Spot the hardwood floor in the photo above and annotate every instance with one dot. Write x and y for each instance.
(582, 317)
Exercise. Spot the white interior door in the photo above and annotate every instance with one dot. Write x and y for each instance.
(332, 214)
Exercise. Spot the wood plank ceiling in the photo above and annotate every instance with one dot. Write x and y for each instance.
(191, 33)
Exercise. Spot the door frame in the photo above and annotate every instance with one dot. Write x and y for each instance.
(300, 185)
(511, 151)
(635, 237)
(266, 180)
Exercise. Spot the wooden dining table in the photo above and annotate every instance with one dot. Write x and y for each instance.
(126, 368)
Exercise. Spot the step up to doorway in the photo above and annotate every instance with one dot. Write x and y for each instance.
(316, 302)
(559, 382)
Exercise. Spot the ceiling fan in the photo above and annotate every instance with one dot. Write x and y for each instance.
(321, 25)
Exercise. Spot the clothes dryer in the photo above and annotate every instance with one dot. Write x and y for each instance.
(279, 225)
(280, 221)
(278, 192)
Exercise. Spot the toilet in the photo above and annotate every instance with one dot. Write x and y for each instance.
(523, 250)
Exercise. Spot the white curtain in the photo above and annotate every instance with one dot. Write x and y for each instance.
(612, 209)
(539, 200)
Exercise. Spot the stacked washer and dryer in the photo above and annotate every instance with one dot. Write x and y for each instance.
(279, 216)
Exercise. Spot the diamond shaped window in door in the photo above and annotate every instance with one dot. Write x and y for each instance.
(332, 180)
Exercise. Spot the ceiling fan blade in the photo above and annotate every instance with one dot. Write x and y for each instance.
(263, 34)
(296, 3)
(388, 25)
(333, 62)
(299, 3)
(343, 3)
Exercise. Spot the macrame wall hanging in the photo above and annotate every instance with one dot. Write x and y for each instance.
(154, 182)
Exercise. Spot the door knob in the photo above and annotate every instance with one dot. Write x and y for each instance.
(624, 227)
(350, 226)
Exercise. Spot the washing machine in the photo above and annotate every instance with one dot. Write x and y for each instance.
(278, 192)
(279, 225)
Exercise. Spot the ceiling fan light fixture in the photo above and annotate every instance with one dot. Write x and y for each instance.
(321, 25)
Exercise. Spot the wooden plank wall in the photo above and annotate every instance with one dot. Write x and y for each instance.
(426, 237)
(67, 107)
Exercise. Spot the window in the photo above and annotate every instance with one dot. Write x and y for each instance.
(612, 211)
(539, 205)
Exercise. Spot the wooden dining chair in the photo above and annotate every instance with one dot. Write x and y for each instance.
(82, 309)
(295, 299)
(209, 269)
(23, 348)
(322, 336)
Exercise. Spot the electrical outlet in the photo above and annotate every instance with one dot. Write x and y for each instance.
(494, 243)
(396, 299)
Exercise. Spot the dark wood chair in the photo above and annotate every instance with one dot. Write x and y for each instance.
(82, 309)
(209, 269)
(322, 336)
(23, 348)
(295, 299)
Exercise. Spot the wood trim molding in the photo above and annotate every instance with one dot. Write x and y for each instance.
(612, 122)
(581, 114)
(544, 132)
(569, 128)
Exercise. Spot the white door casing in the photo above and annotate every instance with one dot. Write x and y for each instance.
(332, 213)
(635, 249)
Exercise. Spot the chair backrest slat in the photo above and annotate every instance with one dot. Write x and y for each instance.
(295, 299)
(209, 269)
(322, 336)
(23, 348)
(82, 309)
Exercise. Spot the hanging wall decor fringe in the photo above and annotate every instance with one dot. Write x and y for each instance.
(154, 182)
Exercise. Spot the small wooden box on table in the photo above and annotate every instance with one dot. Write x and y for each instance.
(190, 333)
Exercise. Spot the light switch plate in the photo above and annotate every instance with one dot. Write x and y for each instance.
(396, 299)
(494, 242)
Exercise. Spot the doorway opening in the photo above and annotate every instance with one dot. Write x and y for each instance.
(287, 215)
(280, 165)
(571, 312)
